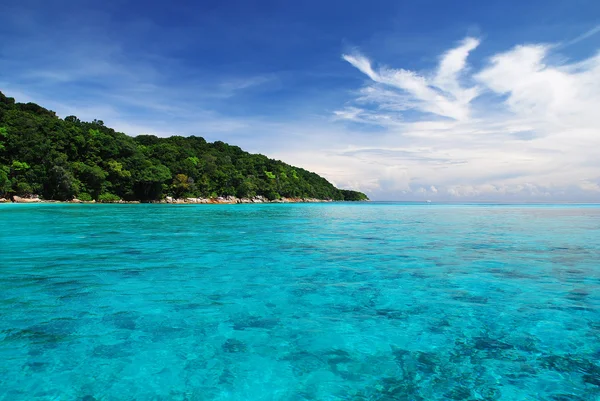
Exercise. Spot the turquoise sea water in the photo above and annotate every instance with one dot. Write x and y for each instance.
(299, 302)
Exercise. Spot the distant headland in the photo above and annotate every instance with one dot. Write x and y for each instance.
(44, 158)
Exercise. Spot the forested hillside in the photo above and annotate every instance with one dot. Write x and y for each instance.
(60, 159)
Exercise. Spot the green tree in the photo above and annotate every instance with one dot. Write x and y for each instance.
(19, 167)
(182, 184)
(3, 134)
(5, 183)
(22, 188)
(60, 185)
(108, 198)
(92, 177)
(149, 181)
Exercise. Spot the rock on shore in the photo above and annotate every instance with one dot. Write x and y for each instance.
(33, 199)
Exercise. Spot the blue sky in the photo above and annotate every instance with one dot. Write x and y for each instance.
(443, 100)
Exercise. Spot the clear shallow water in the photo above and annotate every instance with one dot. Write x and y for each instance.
(299, 302)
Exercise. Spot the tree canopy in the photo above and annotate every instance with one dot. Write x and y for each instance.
(60, 159)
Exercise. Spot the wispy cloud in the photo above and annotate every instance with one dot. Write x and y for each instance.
(441, 94)
(588, 34)
(521, 126)
(130, 93)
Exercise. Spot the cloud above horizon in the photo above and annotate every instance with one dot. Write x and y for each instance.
(524, 125)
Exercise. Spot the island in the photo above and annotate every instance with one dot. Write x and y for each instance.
(46, 158)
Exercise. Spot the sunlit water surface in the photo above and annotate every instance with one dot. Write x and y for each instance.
(299, 302)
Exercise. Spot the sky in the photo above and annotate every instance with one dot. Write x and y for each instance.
(404, 100)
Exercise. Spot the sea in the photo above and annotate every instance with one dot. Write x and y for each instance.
(336, 301)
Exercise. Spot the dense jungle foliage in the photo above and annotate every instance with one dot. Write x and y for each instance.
(60, 159)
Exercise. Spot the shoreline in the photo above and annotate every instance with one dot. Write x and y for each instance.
(230, 200)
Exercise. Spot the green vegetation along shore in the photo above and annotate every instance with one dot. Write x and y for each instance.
(62, 159)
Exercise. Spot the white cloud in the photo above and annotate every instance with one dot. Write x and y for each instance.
(451, 66)
(441, 94)
(523, 126)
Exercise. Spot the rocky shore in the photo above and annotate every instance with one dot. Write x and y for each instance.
(233, 200)
(171, 200)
